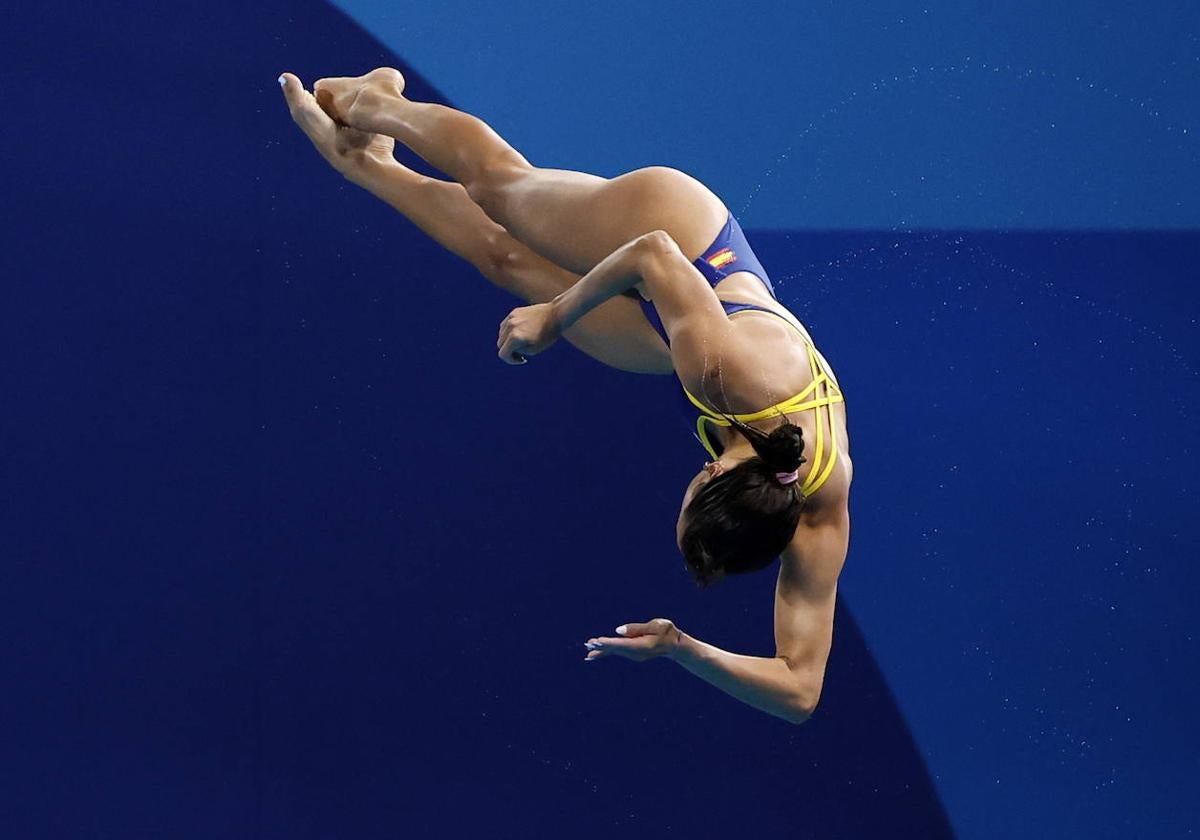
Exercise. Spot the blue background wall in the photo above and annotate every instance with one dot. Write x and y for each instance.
(266, 570)
(939, 114)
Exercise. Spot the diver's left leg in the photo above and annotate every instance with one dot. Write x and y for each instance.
(572, 218)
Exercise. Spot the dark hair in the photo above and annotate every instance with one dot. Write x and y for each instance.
(742, 520)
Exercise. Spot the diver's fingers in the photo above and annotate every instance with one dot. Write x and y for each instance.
(510, 352)
(631, 630)
(636, 649)
(595, 649)
(304, 110)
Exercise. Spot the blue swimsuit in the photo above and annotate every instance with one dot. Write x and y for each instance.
(729, 253)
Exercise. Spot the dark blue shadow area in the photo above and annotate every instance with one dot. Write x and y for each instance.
(286, 552)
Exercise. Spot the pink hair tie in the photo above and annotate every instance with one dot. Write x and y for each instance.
(788, 477)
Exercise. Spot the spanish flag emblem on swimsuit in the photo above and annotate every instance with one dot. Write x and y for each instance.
(722, 258)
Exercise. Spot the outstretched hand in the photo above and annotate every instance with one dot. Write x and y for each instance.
(639, 642)
(527, 331)
(344, 147)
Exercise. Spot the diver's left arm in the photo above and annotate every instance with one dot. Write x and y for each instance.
(788, 684)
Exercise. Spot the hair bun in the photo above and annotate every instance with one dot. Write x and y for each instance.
(783, 449)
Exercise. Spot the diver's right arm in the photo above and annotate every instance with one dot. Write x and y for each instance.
(528, 330)
(690, 310)
(682, 296)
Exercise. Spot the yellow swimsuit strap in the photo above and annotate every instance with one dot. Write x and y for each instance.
(822, 391)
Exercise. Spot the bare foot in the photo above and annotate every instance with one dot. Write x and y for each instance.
(350, 99)
(346, 148)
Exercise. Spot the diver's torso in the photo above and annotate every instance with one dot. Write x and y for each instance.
(775, 370)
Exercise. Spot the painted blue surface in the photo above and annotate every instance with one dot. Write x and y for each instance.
(285, 552)
(836, 115)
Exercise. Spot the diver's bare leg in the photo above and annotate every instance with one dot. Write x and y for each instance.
(615, 333)
(572, 218)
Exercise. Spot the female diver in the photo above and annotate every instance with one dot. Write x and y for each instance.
(649, 273)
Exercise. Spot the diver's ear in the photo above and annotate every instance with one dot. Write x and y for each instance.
(714, 468)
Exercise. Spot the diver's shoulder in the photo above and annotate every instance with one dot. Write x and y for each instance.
(830, 505)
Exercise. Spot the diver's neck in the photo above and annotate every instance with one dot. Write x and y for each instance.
(737, 448)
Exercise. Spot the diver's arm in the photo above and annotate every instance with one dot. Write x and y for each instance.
(690, 310)
(769, 684)
(677, 288)
(787, 685)
(701, 334)
(766, 683)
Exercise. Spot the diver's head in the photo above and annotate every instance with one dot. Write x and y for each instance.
(738, 515)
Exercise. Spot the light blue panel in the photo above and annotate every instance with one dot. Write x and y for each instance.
(841, 115)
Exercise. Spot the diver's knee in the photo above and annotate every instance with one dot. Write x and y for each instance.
(497, 258)
(490, 184)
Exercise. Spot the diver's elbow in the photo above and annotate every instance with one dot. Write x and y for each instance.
(803, 705)
(657, 243)
(797, 715)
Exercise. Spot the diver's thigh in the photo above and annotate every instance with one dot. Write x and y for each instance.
(576, 220)
(617, 333)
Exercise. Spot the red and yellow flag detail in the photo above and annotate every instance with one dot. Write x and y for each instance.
(722, 258)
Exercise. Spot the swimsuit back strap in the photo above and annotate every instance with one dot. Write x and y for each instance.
(822, 378)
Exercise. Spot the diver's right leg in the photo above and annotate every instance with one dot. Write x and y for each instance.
(616, 333)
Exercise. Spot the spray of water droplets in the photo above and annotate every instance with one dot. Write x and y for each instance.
(932, 74)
